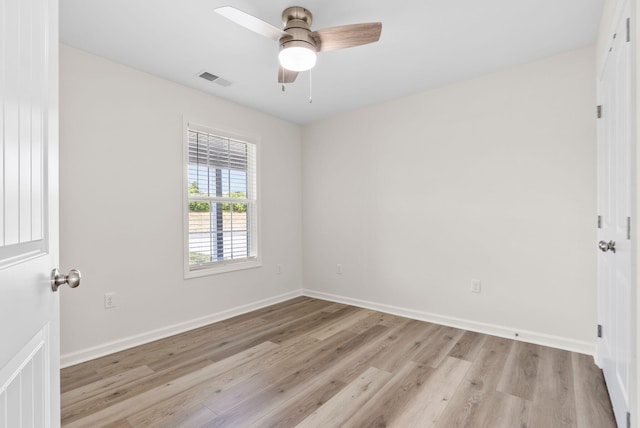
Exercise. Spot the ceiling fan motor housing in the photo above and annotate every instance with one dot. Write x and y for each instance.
(297, 24)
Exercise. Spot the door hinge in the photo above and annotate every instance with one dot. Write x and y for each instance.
(628, 29)
(599, 112)
(628, 420)
(599, 330)
(599, 222)
(628, 227)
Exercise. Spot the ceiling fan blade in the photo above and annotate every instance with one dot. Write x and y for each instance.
(347, 36)
(251, 22)
(286, 76)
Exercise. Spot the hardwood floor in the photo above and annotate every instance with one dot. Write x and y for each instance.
(313, 363)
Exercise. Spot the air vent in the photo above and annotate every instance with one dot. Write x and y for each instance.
(213, 78)
(208, 76)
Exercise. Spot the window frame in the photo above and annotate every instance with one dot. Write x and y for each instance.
(226, 265)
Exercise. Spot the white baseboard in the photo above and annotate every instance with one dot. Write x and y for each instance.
(83, 355)
(491, 329)
(87, 354)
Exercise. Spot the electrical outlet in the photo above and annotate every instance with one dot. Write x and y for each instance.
(476, 286)
(279, 269)
(339, 269)
(109, 300)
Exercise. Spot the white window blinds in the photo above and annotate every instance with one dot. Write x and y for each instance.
(222, 200)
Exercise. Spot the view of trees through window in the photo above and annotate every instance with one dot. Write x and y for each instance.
(205, 207)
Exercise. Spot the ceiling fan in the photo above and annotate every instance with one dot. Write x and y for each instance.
(298, 44)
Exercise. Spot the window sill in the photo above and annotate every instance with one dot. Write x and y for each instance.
(225, 268)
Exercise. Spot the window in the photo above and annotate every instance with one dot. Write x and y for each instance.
(221, 202)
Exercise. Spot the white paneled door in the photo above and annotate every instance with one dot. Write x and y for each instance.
(616, 295)
(29, 309)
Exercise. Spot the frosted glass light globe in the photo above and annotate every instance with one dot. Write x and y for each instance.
(297, 58)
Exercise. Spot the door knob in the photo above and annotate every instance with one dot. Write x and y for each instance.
(72, 279)
(607, 246)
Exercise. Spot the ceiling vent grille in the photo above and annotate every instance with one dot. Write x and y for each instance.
(213, 78)
(208, 76)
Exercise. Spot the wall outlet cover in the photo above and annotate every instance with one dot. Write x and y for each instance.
(109, 300)
(476, 286)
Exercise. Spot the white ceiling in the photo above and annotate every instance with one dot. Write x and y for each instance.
(424, 43)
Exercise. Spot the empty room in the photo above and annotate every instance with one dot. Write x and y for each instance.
(319, 214)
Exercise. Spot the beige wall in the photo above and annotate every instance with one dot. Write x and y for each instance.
(121, 206)
(492, 178)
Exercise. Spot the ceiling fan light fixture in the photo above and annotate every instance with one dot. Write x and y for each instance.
(297, 58)
(298, 44)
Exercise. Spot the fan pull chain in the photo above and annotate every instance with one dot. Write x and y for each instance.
(310, 89)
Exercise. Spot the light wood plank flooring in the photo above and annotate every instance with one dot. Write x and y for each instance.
(312, 363)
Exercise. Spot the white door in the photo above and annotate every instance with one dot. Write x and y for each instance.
(615, 190)
(29, 318)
